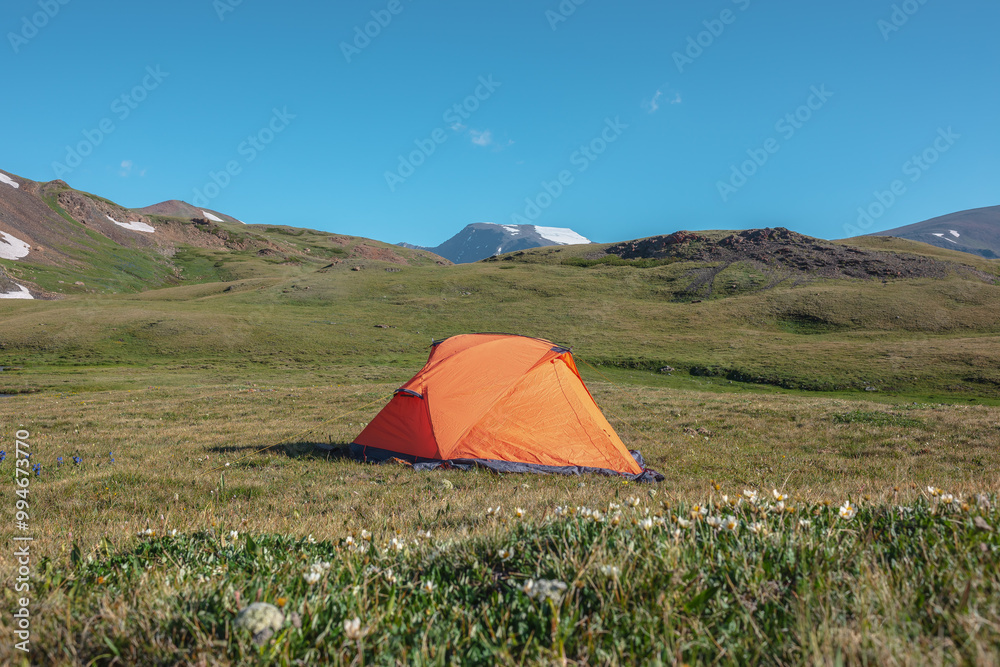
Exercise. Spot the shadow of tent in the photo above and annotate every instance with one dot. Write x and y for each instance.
(300, 449)
(318, 450)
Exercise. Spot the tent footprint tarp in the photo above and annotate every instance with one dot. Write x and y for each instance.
(504, 402)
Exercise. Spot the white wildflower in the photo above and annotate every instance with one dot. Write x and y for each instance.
(714, 522)
(610, 571)
(646, 524)
(261, 619)
(428, 586)
(518, 512)
(847, 510)
(780, 497)
(506, 554)
(352, 629)
(544, 589)
(311, 576)
(730, 523)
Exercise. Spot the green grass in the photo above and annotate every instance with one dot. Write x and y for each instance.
(884, 587)
(929, 339)
(615, 260)
(770, 391)
(651, 584)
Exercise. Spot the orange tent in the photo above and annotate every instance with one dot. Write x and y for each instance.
(509, 403)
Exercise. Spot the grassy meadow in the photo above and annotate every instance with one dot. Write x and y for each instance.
(210, 398)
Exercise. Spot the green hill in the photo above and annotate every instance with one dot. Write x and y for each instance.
(81, 243)
(246, 314)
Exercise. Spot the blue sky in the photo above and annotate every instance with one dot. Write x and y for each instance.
(617, 119)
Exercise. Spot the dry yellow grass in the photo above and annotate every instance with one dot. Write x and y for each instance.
(172, 446)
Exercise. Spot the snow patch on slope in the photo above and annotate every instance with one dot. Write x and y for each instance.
(4, 178)
(954, 233)
(134, 226)
(561, 235)
(12, 247)
(22, 293)
(213, 218)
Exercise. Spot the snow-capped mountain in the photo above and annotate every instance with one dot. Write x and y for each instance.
(975, 231)
(485, 239)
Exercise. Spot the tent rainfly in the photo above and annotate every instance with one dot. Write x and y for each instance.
(504, 402)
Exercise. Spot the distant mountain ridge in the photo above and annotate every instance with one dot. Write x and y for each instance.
(485, 239)
(55, 240)
(181, 209)
(975, 231)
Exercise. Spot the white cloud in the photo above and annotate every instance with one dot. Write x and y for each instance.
(484, 138)
(126, 168)
(652, 105)
(669, 96)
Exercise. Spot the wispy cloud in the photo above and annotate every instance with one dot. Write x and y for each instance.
(126, 168)
(484, 138)
(652, 105)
